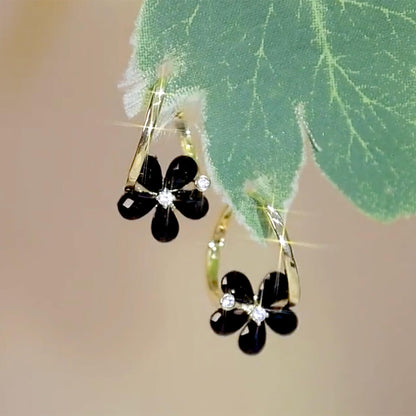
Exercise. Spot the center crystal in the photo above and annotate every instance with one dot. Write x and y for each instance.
(258, 315)
(165, 198)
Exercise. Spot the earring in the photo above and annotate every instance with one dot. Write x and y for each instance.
(240, 307)
(145, 188)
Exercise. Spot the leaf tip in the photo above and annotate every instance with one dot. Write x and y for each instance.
(304, 128)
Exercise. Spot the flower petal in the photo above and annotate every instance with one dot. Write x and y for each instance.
(151, 175)
(227, 322)
(133, 205)
(274, 290)
(192, 204)
(165, 226)
(239, 286)
(252, 338)
(180, 172)
(283, 322)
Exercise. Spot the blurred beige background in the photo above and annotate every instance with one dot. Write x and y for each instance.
(97, 319)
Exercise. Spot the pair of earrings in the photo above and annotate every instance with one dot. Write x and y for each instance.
(182, 190)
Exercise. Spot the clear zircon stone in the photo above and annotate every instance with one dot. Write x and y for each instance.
(258, 315)
(165, 198)
(227, 302)
(203, 183)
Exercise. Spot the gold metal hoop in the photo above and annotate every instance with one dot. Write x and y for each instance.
(286, 257)
(157, 96)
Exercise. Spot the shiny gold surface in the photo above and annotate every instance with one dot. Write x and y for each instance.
(214, 253)
(286, 260)
(185, 137)
(156, 100)
(285, 253)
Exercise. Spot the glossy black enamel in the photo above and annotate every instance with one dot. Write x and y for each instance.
(181, 171)
(192, 204)
(165, 226)
(283, 322)
(151, 175)
(252, 338)
(142, 204)
(274, 289)
(239, 286)
(227, 322)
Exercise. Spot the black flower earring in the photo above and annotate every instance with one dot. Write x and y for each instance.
(167, 195)
(145, 187)
(240, 308)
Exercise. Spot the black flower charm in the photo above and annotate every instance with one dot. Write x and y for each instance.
(240, 307)
(167, 195)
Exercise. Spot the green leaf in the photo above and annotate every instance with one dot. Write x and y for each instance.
(342, 72)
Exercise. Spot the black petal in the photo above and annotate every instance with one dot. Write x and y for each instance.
(239, 286)
(192, 204)
(151, 175)
(274, 290)
(180, 172)
(252, 338)
(133, 205)
(165, 226)
(227, 322)
(283, 322)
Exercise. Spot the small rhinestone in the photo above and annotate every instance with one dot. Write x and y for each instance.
(227, 302)
(203, 183)
(258, 315)
(165, 198)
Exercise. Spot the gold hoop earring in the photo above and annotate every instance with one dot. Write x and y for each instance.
(182, 187)
(240, 307)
